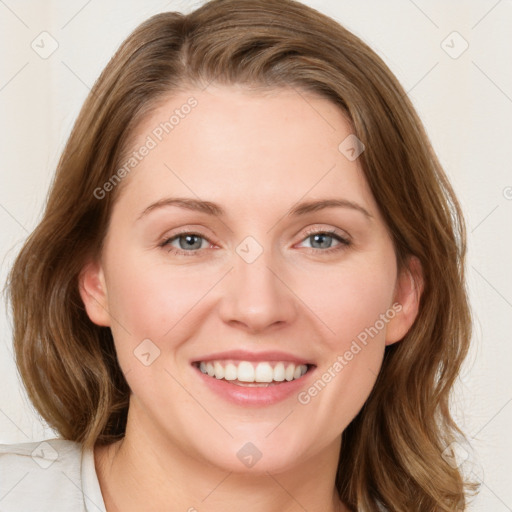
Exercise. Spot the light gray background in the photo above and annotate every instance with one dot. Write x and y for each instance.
(466, 106)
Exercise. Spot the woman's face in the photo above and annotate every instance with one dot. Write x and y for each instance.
(247, 277)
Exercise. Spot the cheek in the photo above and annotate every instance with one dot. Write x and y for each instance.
(351, 300)
(149, 299)
(353, 303)
(356, 301)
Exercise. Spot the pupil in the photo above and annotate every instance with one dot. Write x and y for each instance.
(190, 240)
(316, 237)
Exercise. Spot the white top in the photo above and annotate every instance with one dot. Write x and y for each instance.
(48, 476)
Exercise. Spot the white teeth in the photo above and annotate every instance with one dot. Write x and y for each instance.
(230, 372)
(246, 371)
(279, 372)
(264, 373)
(219, 370)
(210, 369)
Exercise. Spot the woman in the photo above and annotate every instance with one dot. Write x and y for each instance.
(248, 285)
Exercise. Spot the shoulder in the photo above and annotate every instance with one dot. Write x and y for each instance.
(42, 453)
(46, 475)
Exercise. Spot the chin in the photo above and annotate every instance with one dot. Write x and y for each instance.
(254, 454)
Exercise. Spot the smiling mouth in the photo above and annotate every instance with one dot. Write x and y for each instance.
(253, 374)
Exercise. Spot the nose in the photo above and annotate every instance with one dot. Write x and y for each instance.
(257, 296)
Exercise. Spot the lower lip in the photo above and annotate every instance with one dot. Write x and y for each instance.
(255, 395)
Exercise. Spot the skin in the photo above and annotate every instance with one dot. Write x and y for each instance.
(256, 155)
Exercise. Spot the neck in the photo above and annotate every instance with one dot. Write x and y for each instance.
(147, 471)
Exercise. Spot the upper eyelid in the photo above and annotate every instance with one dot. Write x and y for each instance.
(331, 231)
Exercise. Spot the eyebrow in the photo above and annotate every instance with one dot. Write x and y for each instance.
(214, 209)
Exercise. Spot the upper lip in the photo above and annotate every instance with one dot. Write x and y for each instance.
(243, 355)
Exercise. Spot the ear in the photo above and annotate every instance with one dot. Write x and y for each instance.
(408, 291)
(93, 290)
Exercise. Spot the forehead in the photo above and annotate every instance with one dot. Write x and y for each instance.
(229, 144)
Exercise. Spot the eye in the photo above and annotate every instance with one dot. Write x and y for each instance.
(322, 241)
(188, 243)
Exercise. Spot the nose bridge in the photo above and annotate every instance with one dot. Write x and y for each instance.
(257, 295)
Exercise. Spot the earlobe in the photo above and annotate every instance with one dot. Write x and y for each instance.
(93, 291)
(408, 292)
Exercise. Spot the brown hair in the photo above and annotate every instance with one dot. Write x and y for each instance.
(391, 455)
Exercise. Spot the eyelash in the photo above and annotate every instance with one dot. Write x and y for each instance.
(344, 243)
